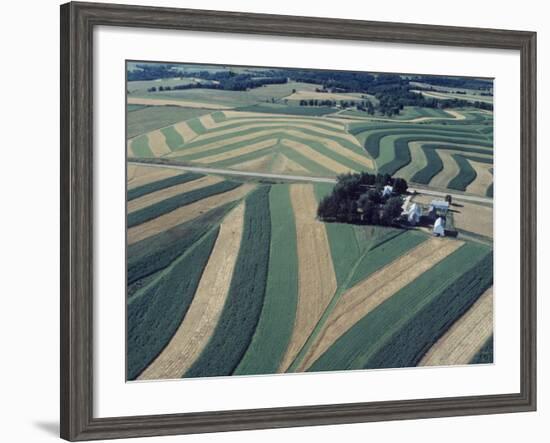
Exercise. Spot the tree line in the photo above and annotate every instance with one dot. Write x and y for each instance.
(359, 198)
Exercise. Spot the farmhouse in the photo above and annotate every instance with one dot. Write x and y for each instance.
(414, 213)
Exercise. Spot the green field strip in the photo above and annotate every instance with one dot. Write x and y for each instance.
(375, 141)
(305, 162)
(172, 203)
(466, 175)
(154, 313)
(154, 253)
(276, 129)
(276, 322)
(196, 125)
(485, 354)
(490, 190)
(243, 158)
(140, 191)
(241, 312)
(328, 152)
(140, 147)
(399, 331)
(274, 122)
(173, 137)
(133, 108)
(289, 110)
(366, 127)
(389, 249)
(218, 116)
(150, 118)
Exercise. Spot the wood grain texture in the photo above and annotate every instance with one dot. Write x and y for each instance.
(76, 220)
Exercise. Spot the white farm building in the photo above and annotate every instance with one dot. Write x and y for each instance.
(439, 227)
(414, 213)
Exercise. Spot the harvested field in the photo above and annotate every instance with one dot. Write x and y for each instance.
(316, 277)
(238, 152)
(158, 185)
(315, 156)
(450, 170)
(173, 102)
(465, 338)
(185, 131)
(483, 179)
(282, 164)
(474, 218)
(236, 116)
(207, 121)
(143, 175)
(257, 164)
(185, 213)
(202, 316)
(370, 293)
(157, 143)
(163, 194)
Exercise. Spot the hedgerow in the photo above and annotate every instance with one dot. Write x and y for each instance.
(172, 203)
(154, 314)
(243, 306)
(161, 184)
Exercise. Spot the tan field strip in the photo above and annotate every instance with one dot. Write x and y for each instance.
(184, 214)
(165, 102)
(283, 164)
(207, 121)
(163, 194)
(257, 164)
(237, 152)
(336, 147)
(457, 115)
(157, 143)
(371, 292)
(465, 337)
(185, 131)
(315, 156)
(418, 161)
(474, 218)
(450, 169)
(202, 317)
(143, 175)
(233, 116)
(483, 179)
(247, 124)
(316, 278)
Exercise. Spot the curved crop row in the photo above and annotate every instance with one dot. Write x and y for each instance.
(281, 295)
(157, 252)
(384, 337)
(148, 188)
(242, 309)
(466, 175)
(172, 203)
(154, 313)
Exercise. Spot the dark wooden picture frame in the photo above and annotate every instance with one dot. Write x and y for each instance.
(77, 24)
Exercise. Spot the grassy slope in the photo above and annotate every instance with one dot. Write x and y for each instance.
(281, 297)
(398, 332)
(243, 306)
(155, 312)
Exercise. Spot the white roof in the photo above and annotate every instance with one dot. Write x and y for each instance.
(439, 226)
(440, 204)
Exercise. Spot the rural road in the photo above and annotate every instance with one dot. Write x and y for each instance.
(301, 178)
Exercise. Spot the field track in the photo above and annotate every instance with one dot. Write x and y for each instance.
(316, 277)
(155, 197)
(364, 297)
(185, 213)
(203, 314)
(465, 337)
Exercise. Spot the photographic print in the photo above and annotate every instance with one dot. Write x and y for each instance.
(300, 220)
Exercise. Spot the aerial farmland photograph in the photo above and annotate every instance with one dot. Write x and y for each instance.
(299, 220)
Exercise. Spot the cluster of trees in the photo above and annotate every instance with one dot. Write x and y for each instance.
(359, 198)
(455, 82)
(241, 82)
